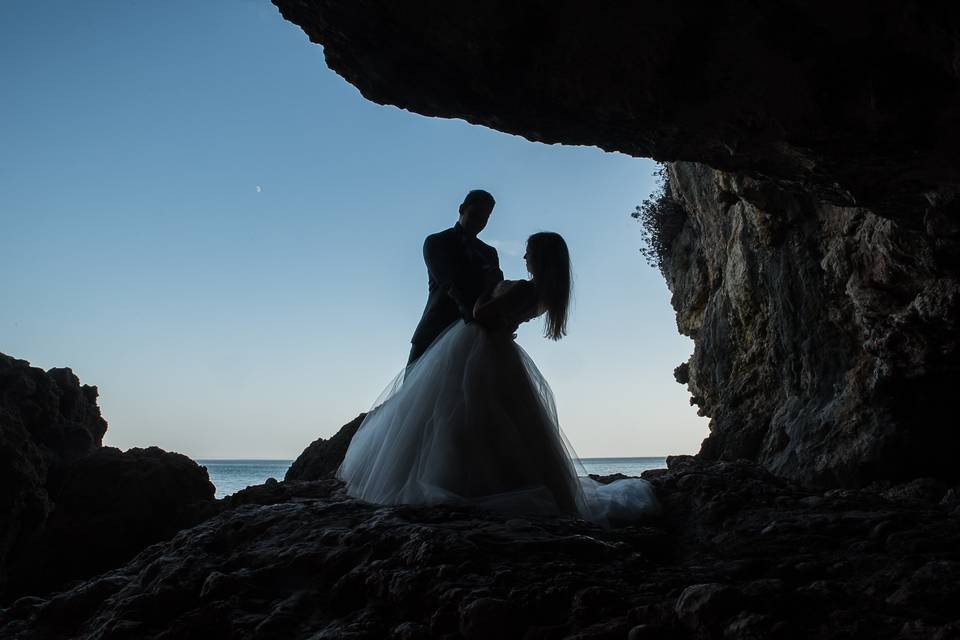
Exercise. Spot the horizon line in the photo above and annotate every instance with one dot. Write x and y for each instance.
(580, 458)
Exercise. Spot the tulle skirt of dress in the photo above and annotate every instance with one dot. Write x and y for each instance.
(473, 422)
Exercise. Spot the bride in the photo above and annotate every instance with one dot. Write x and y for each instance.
(472, 421)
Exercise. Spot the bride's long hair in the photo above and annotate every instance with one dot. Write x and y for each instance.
(549, 262)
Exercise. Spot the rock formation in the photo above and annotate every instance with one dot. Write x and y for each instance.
(69, 507)
(322, 458)
(859, 101)
(814, 146)
(47, 420)
(113, 504)
(827, 338)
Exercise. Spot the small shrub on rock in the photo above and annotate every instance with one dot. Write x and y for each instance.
(662, 218)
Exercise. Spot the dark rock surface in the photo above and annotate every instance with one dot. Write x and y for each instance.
(47, 420)
(859, 100)
(70, 508)
(827, 339)
(739, 554)
(815, 150)
(322, 457)
(112, 505)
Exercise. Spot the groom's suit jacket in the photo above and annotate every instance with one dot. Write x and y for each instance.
(459, 269)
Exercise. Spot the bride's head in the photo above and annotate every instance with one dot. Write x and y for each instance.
(548, 261)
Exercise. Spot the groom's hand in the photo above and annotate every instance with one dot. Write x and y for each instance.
(465, 309)
(491, 277)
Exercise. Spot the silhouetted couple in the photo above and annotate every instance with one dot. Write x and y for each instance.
(471, 420)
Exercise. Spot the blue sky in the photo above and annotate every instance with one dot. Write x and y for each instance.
(220, 233)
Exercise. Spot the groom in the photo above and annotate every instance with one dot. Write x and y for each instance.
(460, 267)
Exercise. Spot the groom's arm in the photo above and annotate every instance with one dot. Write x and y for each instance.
(495, 273)
(443, 268)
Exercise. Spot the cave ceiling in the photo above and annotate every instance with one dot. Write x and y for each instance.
(857, 101)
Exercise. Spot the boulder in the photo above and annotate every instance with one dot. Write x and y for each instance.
(322, 457)
(47, 421)
(69, 507)
(112, 504)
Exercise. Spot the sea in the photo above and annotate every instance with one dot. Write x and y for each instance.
(230, 476)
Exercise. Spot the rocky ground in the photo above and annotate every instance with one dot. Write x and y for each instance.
(738, 554)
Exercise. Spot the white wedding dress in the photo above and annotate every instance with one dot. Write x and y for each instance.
(473, 422)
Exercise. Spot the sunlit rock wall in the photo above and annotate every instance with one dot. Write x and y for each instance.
(826, 337)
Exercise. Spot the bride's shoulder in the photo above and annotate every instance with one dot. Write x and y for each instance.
(517, 286)
(509, 284)
(519, 299)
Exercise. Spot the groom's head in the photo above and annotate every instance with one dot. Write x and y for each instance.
(475, 211)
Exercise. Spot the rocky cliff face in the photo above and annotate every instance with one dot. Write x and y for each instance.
(816, 141)
(827, 341)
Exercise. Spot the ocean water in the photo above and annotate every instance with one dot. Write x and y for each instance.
(626, 466)
(229, 476)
